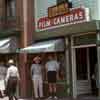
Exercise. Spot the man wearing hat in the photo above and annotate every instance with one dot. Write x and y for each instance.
(36, 73)
(12, 78)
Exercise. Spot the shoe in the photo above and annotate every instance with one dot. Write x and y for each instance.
(41, 98)
(55, 97)
(50, 97)
(36, 98)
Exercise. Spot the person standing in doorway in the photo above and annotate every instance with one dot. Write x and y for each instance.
(12, 78)
(36, 73)
(3, 70)
(52, 68)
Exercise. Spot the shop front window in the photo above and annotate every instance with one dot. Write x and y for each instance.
(61, 82)
(10, 8)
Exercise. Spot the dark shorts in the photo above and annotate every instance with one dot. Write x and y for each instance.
(52, 76)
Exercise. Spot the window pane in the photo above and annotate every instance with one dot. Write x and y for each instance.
(11, 8)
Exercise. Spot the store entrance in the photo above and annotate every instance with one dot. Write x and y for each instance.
(86, 59)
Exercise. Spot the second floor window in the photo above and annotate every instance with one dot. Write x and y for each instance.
(11, 8)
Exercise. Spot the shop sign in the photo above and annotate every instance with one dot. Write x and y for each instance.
(75, 16)
(57, 10)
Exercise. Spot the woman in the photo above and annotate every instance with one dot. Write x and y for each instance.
(3, 70)
(36, 73)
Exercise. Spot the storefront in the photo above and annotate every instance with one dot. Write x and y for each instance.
(79, 33)
(55, 47)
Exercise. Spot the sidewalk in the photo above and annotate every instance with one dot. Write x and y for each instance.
(65, 98)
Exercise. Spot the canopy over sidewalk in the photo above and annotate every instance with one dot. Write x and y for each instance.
(45, 46)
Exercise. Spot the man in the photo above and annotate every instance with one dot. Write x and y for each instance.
(3, 70)
(12, 78)
(52, 68)
(36, 73)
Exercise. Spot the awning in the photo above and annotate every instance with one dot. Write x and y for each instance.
(46, 46)
(8, 45)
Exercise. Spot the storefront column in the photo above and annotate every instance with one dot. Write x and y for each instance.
(22, 71)
(2, 13)
(25, 22)
(98, 62)
(68, 74)
(74, 79)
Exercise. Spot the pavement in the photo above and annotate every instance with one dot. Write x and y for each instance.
(64, 98)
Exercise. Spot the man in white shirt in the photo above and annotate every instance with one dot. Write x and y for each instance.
(52, 68)
(12, 78)
(36, 73)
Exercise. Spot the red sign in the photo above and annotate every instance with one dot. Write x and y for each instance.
(75, 16)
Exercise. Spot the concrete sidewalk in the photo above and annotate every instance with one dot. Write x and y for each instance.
(64, 98)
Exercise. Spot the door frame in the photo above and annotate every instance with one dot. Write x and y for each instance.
(73, 57)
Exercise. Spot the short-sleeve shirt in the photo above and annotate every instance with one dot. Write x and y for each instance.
(52, 65)
(3, 70)
(36, 69)
(12, 72)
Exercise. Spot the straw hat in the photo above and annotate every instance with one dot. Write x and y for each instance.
(36, 58)
(11, 61)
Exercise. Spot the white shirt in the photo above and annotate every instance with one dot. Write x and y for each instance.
(36, 69)
(3, 70)
(12, 72)
(52, 65)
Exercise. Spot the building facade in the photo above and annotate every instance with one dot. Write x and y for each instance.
(80, 31)
(78, 28)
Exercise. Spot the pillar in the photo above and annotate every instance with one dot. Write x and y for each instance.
(24, 24)
(2, 13)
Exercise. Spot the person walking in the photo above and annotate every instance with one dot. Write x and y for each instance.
(52, 68)
(3, 70)
(36, 73)
(12, 78)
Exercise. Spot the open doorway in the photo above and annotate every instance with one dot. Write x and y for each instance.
(86, 59)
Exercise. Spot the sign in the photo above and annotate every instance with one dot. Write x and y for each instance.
(78, 15)
(58, 10)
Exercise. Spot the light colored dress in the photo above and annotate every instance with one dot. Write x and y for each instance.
(2, 77)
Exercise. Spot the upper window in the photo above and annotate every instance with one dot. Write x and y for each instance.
(11, 7)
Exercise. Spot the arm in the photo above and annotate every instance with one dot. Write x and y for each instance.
(57, 65)
(31, 70)
(46, 71)
(7, 76)
(18, 75)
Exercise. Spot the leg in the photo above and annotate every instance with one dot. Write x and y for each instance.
(40, 87)
(54, 89)
(10, 97)
(35, 83)
(50, 89)
(1, 94)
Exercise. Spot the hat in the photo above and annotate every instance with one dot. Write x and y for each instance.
(11, 61)
(36, 58)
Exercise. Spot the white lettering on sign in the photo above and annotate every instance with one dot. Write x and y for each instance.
(75, 16)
